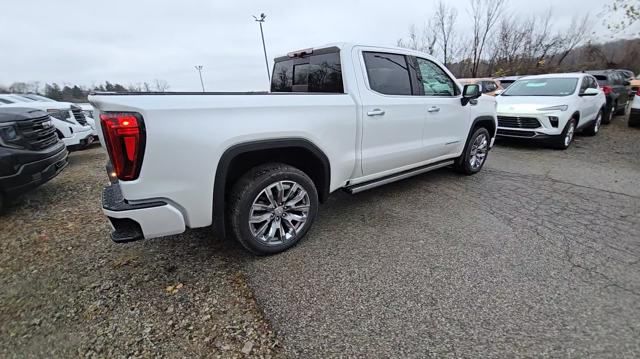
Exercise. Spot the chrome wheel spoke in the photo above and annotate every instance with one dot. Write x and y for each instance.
(262, 207)
(269, 194)
(260, 218)
(280, 193)
(262, 229)
(279, 212)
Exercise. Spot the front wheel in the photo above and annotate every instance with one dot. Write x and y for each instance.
(594, 128)
(475, 152)
(608, 115)
(563, 141)
(272, 207)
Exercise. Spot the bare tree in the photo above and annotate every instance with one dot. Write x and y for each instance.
(621, 14)
(19, 87)
(445, 22)
(484, 16)
(146, 86)
(574, 36)
(424, 42)
(160, 85)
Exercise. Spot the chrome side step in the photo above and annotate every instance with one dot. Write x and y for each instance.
(397, 177)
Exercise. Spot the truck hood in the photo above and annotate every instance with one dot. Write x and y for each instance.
(528, 104)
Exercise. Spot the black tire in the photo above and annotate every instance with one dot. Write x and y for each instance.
(621, 111)
(608, 115)
(594, 128)
(250, 187)
(633, 122)
(559, 142)
(463, 163)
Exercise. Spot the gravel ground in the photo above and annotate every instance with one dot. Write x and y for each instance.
(535, 256)
(68, 291)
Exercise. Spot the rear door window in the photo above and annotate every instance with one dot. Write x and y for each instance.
(312, 73)
(388, 73)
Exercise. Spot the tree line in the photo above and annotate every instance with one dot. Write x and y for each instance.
(79, 93)
(501, 43)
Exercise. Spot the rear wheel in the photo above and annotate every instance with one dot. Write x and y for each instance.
(563, 141)
(272, 207)
(608, 115)
(475, 152)
(594, 128)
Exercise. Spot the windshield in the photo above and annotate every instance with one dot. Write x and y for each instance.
(542, 87)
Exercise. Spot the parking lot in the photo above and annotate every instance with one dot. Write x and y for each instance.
(537, 255)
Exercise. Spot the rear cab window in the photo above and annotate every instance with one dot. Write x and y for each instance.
(388, 74)
(320, 71)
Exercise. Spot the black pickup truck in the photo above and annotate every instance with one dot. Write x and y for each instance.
(30, 151)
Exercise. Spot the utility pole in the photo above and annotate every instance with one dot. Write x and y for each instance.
(260, 20)
(199, 68)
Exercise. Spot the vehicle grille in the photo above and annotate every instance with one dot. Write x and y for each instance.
(512, 133)
(38, 133)
(79, 115)
(518, 122)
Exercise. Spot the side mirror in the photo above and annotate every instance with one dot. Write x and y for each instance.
(590, 92)
(498, 92)
(470, 92)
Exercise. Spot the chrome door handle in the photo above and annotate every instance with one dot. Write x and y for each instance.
(375, 112)
(434, 109)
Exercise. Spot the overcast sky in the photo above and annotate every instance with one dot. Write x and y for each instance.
(131, 41)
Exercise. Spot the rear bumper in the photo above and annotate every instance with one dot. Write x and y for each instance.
(137, 220)
(33, 174)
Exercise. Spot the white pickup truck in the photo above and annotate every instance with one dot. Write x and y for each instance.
(340, 116)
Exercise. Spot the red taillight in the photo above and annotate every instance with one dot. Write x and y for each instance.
(607, 90)
(125, 138)
(638, 91)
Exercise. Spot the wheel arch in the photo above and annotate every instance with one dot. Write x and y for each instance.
(483, 121)
(237, 159)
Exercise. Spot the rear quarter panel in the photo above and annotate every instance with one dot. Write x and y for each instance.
(187, 135)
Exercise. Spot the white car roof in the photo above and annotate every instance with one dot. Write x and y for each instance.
(14, 98)
(576, 75)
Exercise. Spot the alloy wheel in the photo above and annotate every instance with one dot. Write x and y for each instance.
(479, 150)
(279, 212)
(569, 136)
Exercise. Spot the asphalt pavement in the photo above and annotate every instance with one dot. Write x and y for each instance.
(538, 255)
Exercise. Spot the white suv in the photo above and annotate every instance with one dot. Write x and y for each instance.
(551, 107)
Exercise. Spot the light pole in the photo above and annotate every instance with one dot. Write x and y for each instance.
(260, 20)
(199, 68)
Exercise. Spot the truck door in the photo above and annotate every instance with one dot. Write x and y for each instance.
(393, 119)
(447, 120)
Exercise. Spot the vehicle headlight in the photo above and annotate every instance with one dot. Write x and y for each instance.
(8, 133)
(554, 108)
